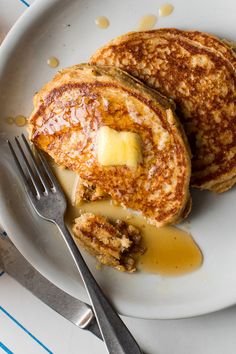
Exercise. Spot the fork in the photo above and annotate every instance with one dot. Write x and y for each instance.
(49, 202)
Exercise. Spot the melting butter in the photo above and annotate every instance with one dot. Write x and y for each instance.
(118, 148)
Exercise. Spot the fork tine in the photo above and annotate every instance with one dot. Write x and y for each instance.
(48, 170)
(27, 184)
(29, 169)
(35, 163)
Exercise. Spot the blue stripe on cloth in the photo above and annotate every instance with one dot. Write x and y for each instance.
(8, 351)
(25, 330)
(1, 273)
(25, 3)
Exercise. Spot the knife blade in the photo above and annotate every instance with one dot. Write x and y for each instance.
(74, 310)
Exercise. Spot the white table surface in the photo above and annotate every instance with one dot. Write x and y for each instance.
(27, 326)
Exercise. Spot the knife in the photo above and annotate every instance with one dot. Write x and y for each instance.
(74, 310)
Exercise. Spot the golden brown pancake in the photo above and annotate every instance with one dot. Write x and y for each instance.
(71, 108)
(198, 71)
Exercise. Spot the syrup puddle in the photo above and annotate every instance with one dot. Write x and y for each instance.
(170, 251)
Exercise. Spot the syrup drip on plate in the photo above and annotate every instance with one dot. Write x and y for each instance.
(10, 120)
(102, 22)
(53, 62)
(166, 10)
(20, 121)
(170, 251)
(147, 22)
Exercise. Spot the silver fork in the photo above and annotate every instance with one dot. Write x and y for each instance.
(49, 202)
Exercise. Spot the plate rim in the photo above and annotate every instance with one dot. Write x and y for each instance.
(9, 43)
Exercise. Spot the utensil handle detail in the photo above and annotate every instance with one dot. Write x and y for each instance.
(116, 335)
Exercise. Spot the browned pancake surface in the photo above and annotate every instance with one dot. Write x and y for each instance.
(197, 70)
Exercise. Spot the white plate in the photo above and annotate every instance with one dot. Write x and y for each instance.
(41, 33)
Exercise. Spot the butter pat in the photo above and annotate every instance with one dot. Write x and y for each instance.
(118, 148)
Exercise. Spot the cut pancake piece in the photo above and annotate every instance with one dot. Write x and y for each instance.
(198, 71)
(116, 245)
(71, 109)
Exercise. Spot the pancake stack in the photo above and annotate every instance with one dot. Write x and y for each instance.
(146, 83)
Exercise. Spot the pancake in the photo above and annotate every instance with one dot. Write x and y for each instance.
(198, 71)
(113, 244)
(70, 110)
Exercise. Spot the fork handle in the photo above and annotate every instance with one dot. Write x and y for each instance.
(116, 335)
